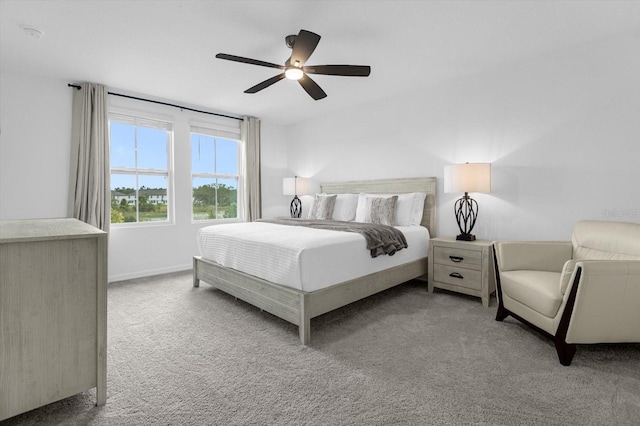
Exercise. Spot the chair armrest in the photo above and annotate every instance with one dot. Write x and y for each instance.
(607, 306)
(547, 256)
(568, 274)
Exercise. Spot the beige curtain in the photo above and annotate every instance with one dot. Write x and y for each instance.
(89, 193)
(250, 135)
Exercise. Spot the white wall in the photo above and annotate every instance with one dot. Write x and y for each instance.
(273, 158)
(35, 134)
(35, 138)
(562, 132)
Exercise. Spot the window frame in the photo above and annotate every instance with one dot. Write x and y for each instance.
(217, 132)
(140, 119)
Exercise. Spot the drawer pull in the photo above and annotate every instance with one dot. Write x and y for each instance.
(456, 259)
(456, 275)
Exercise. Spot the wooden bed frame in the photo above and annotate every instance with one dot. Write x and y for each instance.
(298, 307)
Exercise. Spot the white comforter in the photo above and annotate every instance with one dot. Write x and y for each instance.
(303, 258)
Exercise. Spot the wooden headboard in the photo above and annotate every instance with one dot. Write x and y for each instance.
(393, 186)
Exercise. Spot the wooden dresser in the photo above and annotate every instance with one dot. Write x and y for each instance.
(53, 312)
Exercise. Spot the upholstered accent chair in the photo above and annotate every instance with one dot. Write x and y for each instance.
(580, 292)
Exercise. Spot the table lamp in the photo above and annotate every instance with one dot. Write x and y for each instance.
(296, 186)
(468, 177)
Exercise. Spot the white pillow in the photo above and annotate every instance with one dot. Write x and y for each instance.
(345, 207)
(409, 207)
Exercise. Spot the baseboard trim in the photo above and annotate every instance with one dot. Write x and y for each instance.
(149, 272)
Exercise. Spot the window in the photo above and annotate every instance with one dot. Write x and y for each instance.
(215, 175)
(140, 169)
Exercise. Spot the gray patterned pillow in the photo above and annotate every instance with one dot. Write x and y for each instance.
(322, 207)
(381, 210)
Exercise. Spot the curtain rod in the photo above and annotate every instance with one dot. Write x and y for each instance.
(162, 103)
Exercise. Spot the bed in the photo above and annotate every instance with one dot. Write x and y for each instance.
(299, 305)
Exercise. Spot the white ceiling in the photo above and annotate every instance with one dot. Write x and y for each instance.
(165, 49)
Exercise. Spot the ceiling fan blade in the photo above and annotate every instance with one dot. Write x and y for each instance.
(248, 61)
(312, 88)
(258, 87)
(303, 47)
(343, 70)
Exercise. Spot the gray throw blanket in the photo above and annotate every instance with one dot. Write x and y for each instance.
(381, 239)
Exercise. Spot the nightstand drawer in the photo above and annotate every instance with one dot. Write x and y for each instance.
(461, 277)
(459, 258)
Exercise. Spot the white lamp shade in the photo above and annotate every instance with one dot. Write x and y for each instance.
(468, 177)
(296, 186)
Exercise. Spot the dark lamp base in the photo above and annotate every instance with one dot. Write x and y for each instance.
(296, 207)
(466, 210)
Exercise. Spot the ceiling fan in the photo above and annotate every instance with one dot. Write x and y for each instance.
(294, 68)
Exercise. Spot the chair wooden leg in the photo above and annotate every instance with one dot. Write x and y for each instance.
(565, 350)
(502, 313)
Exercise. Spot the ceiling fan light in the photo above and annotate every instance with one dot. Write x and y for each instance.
(293, 73)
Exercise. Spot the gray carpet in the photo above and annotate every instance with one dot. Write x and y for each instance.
(182, 355)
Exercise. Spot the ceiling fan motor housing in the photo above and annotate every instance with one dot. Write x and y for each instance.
(290, 40)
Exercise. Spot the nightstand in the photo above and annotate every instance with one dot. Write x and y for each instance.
(462, 266)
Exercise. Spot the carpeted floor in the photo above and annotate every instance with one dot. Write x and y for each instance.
(180, 355)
